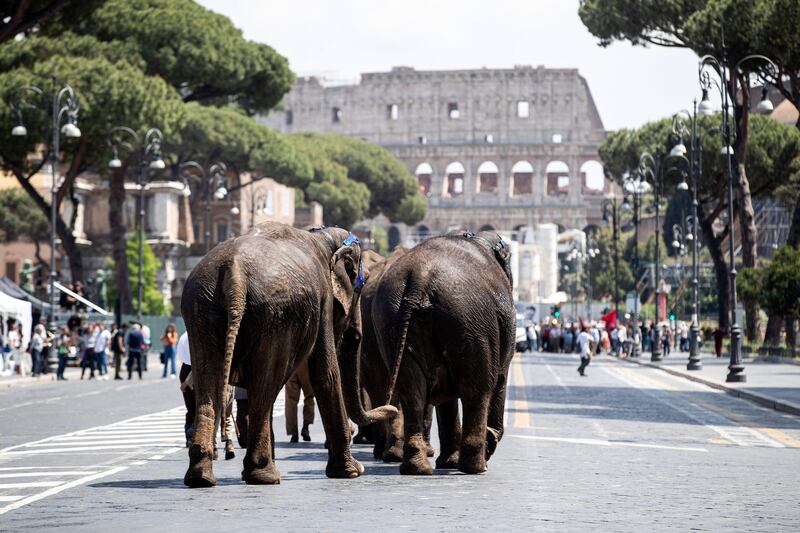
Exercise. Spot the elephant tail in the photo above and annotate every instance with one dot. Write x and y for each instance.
(235, 288)
(405, 312)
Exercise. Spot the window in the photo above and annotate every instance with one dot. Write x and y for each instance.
(288, 203)
(523, 109)
(422, 139)
(289, 118)
(336, 114)
(556, 138)
(222, 231)
(452, 111)
(268, 204)
(11, 271)
(196, 232)
(489, 138)
(392, 112)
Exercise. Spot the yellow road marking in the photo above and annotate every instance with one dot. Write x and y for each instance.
(522, 416)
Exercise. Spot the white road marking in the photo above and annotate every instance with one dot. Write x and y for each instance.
(39, 451)
(599, 442)
(10, 498)
(55, 490)
(29, 484)
(143, 441)
(155, 457)
(556, 377)
(138, 463)
(39, 474)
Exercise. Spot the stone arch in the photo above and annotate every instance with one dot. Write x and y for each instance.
(423, 231)
(521, 178)
(593, 179)
(487, 177)
(394, 237)
(454, 180)
(557, 173)
(424, 175)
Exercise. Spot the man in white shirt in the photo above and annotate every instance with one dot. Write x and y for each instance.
(185, 358)
(585, 343)
(101, 341)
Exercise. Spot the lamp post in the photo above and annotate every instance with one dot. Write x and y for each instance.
(64, 103)
(636, 187)
(652, 169)
(727, 87)
(212, 179)
(591, 252)
(693, 234)
(149, 159)
(610, 211)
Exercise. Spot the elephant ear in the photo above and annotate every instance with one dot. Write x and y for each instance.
(347, 274)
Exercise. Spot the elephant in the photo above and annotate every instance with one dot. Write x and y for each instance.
(387, 437)
(255, 307)
(444, 318)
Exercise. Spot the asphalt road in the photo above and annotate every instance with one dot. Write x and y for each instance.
(625, 449)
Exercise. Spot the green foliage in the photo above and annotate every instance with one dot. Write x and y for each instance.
(678, 208)
(601, 267)
(777, 286)
(19, 216)
(380, 240)
(17, 18)
(152, 300)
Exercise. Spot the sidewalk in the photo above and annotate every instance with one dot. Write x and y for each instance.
(74, 373)
(772, 384)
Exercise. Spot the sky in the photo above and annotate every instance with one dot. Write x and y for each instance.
(343, 38)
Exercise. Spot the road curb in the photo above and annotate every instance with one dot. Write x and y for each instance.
(766, 401)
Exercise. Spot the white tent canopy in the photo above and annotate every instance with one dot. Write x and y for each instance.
(19, 309)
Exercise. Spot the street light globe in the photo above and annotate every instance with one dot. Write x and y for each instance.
(765, 106)
(234, 210)
(705, 108)
(678, 150)
(676, 244)
(220, 193)
(158, 164)
(19, 131)
(71, 130)
(726, 150)
(689, 237)
(683, 186)
(115, 163)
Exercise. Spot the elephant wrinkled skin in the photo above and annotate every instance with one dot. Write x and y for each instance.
(257, 306)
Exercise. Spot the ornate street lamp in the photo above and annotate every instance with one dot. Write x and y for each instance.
(610, 213)
(651, 170)
(63, 104)
(213, 179)
(727, 88)
(591, 252)
(635, 187)
(149, 153)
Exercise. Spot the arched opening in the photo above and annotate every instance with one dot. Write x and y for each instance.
(487, 177)
(592, 179)
(423, 231)
(591, 229)
(522, 178)
(454, 180)
(394, 237)
(557, 173)
(487, 227)
(424, 175)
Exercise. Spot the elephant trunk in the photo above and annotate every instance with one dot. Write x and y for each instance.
(350, 363)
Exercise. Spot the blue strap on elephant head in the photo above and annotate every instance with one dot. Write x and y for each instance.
(350, 240)
(360, 279)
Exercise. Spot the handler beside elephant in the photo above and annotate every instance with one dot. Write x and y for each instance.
(445, 321)
(256, 307)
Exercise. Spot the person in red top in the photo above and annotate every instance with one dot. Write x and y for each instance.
(169, 339)
(719, 335)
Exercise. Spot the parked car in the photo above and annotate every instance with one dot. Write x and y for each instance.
(522, 344)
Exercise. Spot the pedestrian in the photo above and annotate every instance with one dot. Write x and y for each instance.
(88, 360)
(37, 347)
(585, 345)
(169, 339)
(614, 338)
(568, 339)
(299, 380)
(62, 343)
(102, 340)
(622, 340)
(185, 358)
(665, 340)
(118, 347)
(242, 415)
(605, 340)
(136, 345)
(146, 349)
(719, 336)
(14, 342)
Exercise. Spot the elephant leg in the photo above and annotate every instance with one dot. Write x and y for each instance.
(494, 426)
(414, 402)
(393, 445)
(259, 461)
(427, 431)
(472, 455)
(366, 434)
(209, 383)
(325, 378)
(449, 434)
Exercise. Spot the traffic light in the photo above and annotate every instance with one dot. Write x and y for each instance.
(672, 315)
(556, 311)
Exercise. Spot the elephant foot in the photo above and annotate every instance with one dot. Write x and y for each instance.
(492, 439)
(472, 464)
(348, 469)
(449, 462)
(416, 466)
(268, 475)
(200, 473)
(429, 449)
(393, 454)
(229, 453)
(362, 438)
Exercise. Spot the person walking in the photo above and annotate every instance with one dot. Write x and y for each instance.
(88, 359)
(37, 346)
(242, 415)
(102, 340)
(299, 380)
(147, 344)
(118, 347)
(719, 336)
(135, 344)
(622, 340)
(62, 344)
(185, 358)
(169, 339)
(666, 343)
(585, 345)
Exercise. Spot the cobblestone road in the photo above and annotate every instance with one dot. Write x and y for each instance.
(627, 448)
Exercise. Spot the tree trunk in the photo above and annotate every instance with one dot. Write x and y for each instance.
(773, 335)
(116, 204)
(794, 229)
(791, 334)
(749, 234)
(720, 269)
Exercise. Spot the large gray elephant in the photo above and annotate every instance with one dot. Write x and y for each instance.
(445, 321)
(257, 306)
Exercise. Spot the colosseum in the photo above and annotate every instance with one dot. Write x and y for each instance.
(492, 148)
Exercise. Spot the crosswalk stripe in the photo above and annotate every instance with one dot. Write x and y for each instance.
(30, 484)
(40, 451)
(96, 442)
(10, 498)
(40, 474)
